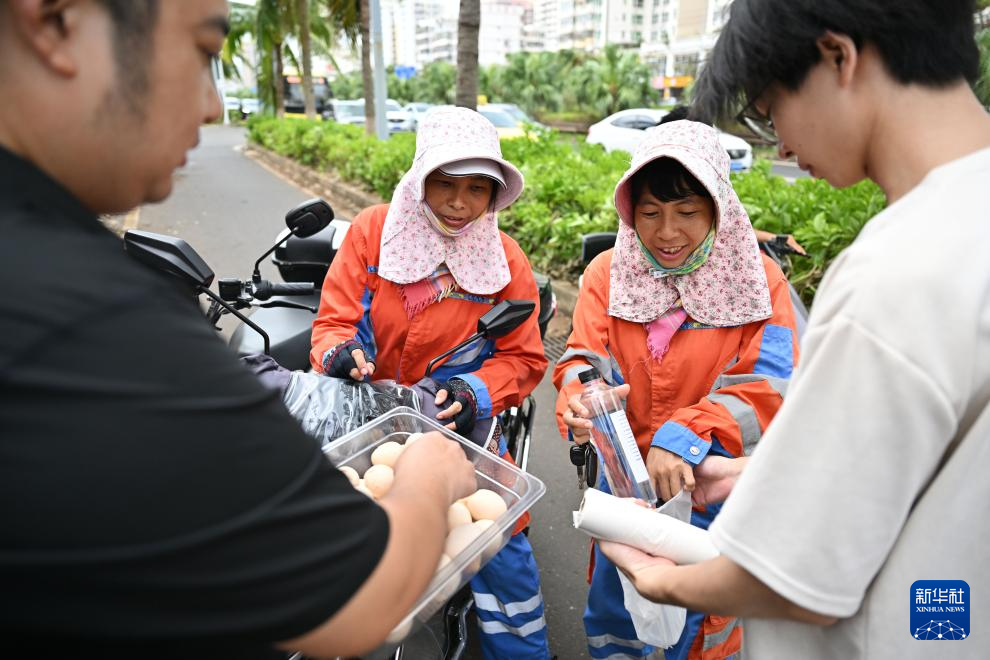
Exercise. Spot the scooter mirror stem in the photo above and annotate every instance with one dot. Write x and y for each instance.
(254, 326)
(256, 275)
(443, 356)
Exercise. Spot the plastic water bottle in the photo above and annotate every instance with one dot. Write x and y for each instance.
(614, 441)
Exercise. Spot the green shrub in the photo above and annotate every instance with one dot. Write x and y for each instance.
(822, 218)
(569, 187)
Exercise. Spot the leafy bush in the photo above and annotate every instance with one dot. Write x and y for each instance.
(569, 187)
(822, 218)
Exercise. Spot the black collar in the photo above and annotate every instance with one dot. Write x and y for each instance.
(24, 185)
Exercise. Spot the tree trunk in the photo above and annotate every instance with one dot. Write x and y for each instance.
(279, 83)
(468, 26)
(366, 81)
(305, 41)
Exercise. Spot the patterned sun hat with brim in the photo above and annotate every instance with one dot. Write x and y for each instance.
(411, 249)
(730, 288)
(450, 134)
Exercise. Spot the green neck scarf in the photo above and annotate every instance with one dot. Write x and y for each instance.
(691, 264)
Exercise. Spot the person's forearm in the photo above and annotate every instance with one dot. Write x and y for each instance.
(720, 586)
(417, 513)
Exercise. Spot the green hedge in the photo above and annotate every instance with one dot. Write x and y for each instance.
(569, 192)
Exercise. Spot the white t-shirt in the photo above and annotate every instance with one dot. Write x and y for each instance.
(874, 473)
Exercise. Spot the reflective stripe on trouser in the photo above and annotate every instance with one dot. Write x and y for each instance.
(509, 604)
(607, 624)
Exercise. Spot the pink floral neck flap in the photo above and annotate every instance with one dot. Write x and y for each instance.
(730, 288)
(412, 249)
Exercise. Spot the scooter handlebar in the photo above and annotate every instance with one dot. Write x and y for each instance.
(264, 289)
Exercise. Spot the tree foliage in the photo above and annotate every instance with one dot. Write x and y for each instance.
(982, 85)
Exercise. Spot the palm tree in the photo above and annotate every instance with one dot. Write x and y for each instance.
(343, 17)
(353, 19)
(468, 26)
(274, 21)
(369, 85)
(616, 80)
(305, 43)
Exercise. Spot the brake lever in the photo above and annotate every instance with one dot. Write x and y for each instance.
(285, 303)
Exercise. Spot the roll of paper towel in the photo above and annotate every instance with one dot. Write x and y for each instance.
(610, 518)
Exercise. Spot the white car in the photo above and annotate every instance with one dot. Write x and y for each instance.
(352, 112)
(624, 129)
(417, 111)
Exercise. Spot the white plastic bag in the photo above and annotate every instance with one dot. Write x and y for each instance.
(656, 624)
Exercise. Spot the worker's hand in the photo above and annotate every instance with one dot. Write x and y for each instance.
(463, 408)
(715, 477)
(794, 245)
(434, 459)
(578, 418)
(670, 473)
(349, 360)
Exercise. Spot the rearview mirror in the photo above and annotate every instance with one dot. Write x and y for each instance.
(505, 317)
(168, 254)
(309, 217)
(594, 244)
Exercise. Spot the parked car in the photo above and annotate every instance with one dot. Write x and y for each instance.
(231, 106)
(506, 125)
(352, 112)
(516, 113)
(624, 129)
(417, 111)
(249, 107)
(347, 112)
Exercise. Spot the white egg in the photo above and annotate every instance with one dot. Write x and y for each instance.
(486, 505)
(400, 632)
(378, 479)
(386, 453)
(443, 592)
(459, 539)
(457, 515)
(444, 560)
(351, 474)
(496, 544)
(361, 488)
(413, 437)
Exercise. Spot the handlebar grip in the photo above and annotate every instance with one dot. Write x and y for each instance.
(293, 289)
(264, 289)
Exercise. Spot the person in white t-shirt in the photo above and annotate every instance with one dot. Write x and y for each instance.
(872, 474)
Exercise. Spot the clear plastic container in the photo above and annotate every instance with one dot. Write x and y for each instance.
(518, 489)
(614, 441)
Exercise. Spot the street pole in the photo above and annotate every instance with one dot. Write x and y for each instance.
(221, 85)
(378, 70)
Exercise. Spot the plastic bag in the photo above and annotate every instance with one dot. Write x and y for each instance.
(328, 407)
(656, 624)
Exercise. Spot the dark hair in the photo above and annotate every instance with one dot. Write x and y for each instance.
(773, 41)
(667, 180)
(676, 113)
(134, 24)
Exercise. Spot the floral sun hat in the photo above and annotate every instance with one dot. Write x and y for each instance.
(412, 249)
(730, 288)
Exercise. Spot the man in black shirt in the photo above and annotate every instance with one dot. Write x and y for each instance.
(155, 499)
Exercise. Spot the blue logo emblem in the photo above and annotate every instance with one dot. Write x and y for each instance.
(940, 610)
